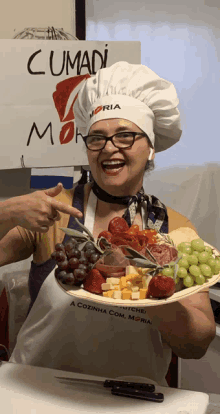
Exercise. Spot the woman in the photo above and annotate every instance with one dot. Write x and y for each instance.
(126, 113)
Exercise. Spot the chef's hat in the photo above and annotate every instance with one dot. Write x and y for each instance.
(134, 93)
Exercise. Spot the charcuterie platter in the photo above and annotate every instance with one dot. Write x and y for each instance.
(128, 267)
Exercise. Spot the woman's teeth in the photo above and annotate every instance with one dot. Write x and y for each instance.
(112, 165)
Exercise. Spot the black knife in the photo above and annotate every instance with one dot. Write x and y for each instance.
(111, 383)
(137, 393)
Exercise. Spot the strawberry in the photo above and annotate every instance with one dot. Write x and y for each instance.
(161, 286)
(94, 280)
(118, 225)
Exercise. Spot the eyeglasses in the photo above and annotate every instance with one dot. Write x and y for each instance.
(120, 140)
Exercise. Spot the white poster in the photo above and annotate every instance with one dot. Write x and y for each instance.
(39, 83)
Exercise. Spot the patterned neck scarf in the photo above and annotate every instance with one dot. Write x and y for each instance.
(155, 212)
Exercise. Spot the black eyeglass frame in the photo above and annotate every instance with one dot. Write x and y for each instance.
(111, 139)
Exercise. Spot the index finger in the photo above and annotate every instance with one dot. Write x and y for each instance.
(65, 208)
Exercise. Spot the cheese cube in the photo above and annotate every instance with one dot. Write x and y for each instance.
(126, 294)
(108, 294)
(106, 286)
(133, 276)
(123, 282)
(113, 280)
(130, 269)
(116, 294)
(129, 285)
(135, 289)
(143, 293)
(146, 280)
(135, 295)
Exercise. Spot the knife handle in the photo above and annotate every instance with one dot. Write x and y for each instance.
(140, 394)
(133, 385)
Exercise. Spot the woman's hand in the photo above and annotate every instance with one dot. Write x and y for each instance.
(187, 326)
(39, 210)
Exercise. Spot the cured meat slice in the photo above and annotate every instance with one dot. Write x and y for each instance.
(163, 253)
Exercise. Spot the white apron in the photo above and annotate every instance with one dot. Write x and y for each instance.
(70, 334)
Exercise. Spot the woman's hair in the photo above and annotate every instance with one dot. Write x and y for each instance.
(150, 165)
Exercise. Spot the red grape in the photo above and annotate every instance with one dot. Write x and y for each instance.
(70, 279)
(82, 266)
(89, 252)
(89, 246)
(54, 255)
(63, 265)
(60, 256)
(69, 246)
(73, 262)
(80, 274)
(59, 247)
(83, 260)
(94, 258)
(74, 253)
(90, 267)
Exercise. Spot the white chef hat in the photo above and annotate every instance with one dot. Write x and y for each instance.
(134, 93)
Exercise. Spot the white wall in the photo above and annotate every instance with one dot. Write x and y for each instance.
(18, 14)
(181, 42)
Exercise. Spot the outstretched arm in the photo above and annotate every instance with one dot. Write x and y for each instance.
(187, 326)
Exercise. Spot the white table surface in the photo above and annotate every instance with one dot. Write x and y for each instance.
(32, 390)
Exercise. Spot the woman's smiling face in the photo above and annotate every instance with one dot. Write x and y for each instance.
(127, 178)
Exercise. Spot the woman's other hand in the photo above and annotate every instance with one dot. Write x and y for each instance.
(39, 210)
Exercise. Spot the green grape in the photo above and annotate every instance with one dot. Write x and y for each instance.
(177, 280)
(180, 246)
(211, 262)
(195, 253)
(193, 259)
(205, 270)
(168, 271)
(183, 245)
(194, 270)
(183, 263)
(203, 257)
(182, 272)
(217, 267)
(208, 249)
(188, 281)
(187, 249)
(198, 244)
(183, 255)
(200, 280)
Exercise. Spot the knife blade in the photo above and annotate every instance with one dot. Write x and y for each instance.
(140, 394)
(111, 383)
